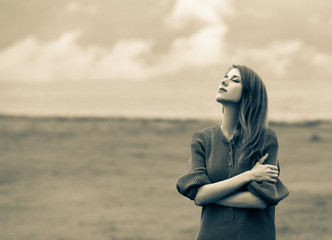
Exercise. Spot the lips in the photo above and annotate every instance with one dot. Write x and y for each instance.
(222, 89)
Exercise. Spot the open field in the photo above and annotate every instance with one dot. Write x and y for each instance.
(114, 179)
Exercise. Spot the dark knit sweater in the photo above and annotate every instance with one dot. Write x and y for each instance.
(214, 158)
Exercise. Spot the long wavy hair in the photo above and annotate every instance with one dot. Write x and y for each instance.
(253, 124)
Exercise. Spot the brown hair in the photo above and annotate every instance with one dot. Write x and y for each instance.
(252, 126)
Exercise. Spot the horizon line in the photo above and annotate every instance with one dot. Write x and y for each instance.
(302, 122)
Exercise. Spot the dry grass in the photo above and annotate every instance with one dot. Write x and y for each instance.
(63, 178)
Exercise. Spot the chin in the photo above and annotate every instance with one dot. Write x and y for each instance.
(227, 101)
(219, 100)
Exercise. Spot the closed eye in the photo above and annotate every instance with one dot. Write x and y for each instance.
(235, 79)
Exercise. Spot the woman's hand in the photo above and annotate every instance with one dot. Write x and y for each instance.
(264, 172)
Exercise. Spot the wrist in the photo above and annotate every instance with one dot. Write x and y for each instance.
(249, 176)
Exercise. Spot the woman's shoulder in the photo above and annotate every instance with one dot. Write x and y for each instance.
(207, 132)
(271, 136)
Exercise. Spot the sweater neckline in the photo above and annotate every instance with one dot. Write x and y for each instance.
(222, 135)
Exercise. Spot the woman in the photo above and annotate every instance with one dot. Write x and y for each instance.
(233, 171)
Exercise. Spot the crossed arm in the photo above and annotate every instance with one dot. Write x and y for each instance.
(243, 200)
(222, 192)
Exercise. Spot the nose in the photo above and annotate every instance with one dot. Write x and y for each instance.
(224, 82)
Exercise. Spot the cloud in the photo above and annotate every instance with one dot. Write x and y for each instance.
(65, 59)
(124, 60)
(76, 7)
(275, 57)
(322, 59)
(208, 11)
(200, 50)
(286, 59)
(322, 62)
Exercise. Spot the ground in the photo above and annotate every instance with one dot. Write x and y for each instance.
(114, 178)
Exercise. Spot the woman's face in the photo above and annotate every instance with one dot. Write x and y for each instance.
(230, 88)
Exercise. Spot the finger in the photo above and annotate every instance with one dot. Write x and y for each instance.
(273, 175)
(262, 160)
(274, 172)
(272, 167)
(272, 180)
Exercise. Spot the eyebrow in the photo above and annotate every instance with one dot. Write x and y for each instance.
(226, 75)
(235, 76)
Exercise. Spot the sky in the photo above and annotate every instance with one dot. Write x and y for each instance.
(162, 58)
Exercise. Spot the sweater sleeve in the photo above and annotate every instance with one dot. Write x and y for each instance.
(196, 175)
(270, 192)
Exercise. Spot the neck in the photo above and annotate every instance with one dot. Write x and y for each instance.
(230, 120)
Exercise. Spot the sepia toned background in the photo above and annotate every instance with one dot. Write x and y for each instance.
(162, 58)
(99, 100)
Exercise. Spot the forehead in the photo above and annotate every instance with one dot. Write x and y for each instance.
(234, 71)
